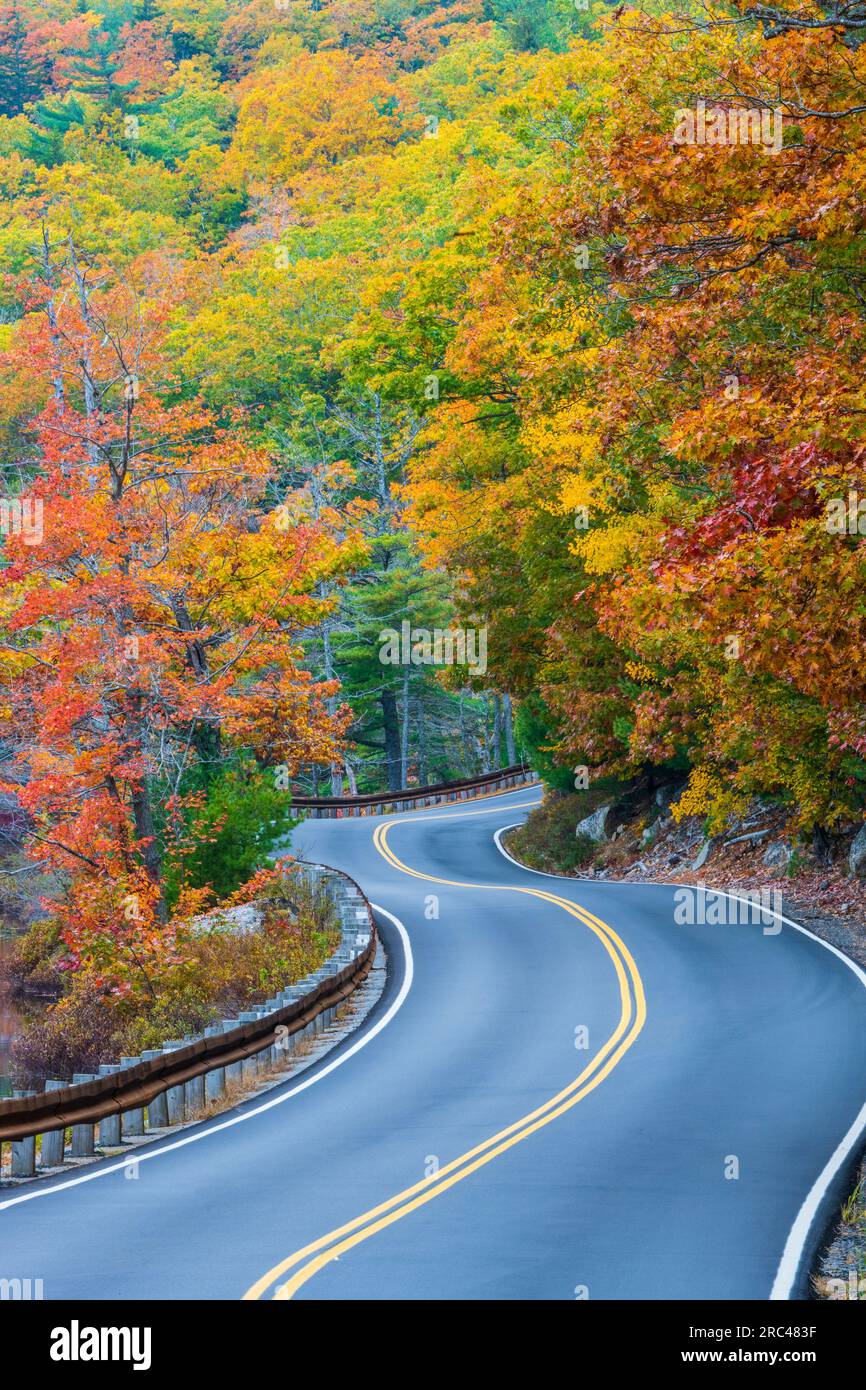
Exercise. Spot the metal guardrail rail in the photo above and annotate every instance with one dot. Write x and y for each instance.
(411, 799)
(262, 1033)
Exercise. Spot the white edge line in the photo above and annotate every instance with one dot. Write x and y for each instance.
(792, 1254)
(142, 1156)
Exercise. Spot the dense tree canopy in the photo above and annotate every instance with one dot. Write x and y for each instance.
(323, 316)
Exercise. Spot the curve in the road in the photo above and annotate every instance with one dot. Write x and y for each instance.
(753, 1046)
(632, 1017)
(794, 1255)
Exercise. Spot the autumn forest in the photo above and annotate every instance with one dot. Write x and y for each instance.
(533, 323)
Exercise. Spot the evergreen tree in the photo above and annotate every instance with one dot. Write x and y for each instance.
(25, 67)
(50, 123)
(93, 72)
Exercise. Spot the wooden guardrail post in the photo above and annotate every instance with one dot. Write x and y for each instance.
(83, 1139)
(249, 1065)
(132, 1121)
(234, 1070)
(157, 1109)
(262, 1058)
(110, 1128)
(23, 1151)
(215, 1081)
(283, 1041)
(336, 963)
(174, 1096)
(319, 1020)
(193, 1090)
(54, 1142)
(272, 1052)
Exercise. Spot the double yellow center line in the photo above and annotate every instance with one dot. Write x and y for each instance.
(313, 1257)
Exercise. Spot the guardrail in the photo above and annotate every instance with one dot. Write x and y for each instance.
(412, 799)
(163, 1086)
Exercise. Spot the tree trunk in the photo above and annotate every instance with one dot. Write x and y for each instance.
(496, 755)
(206, 735)
(328, 661)
(391, 729)
(423, 774)
(508, 725)
(51, 314)
(404, 738)
(484, 737)
(468, 760)
(822, 844)
(144, 829)
(381, 474)
(88, 383)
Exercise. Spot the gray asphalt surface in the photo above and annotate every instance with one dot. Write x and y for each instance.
(752, 1056)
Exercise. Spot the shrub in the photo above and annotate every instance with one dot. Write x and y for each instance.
(219, 971)
(534, 733)
(230, 834)
(548, 841)
(75, 1034)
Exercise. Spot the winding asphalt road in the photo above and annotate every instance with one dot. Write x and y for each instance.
(562, 1094)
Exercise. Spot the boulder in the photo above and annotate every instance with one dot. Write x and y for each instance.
(664, 796)
(777, 855)
(240, 920)
(594, 827)
(857, 853)
(703, 853)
